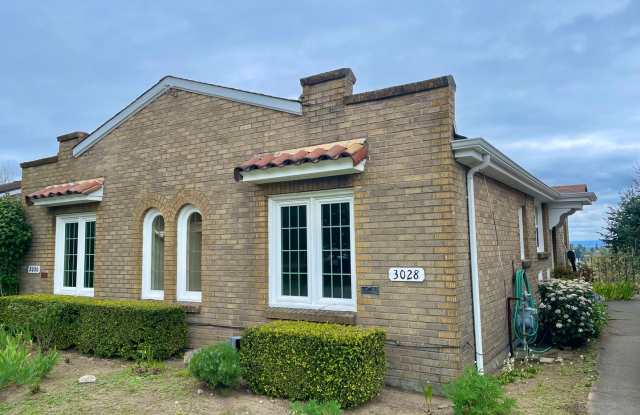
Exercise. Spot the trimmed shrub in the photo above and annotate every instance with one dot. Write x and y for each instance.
(567, 311)
(303, 361)
(105, 328)
(217, 365)
(15, 239)
(476, 394)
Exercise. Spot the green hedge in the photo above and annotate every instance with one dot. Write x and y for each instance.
(105, 328)
(302, 361)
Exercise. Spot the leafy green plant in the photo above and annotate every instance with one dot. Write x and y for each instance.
(517, 369)
(19, 365)
(315, 408)
(427, 392)
(302, 361)
(563, 273)
(106, 328)
(599, 317)
(217, 365)
(15, 239)
(616, 290)
(476, 394)
(567, 311)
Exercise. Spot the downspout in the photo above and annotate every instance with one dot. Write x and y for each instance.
(473, 250)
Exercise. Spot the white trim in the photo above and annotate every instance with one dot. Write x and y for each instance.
(539, 225)
(181, 293)
(93, 197)
(147, 292)
(523, 253)
(237, 95)
(11, 192)
(58, 273)
(313, 201)
(324, 168)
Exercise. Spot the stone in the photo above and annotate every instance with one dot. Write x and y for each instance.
(559, 359)
(199, 391)
(546, 360)
(87, 379)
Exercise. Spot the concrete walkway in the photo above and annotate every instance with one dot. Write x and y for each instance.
(618, 389)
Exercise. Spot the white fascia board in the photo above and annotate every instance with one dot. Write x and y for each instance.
(470, 151)
(11, 192)
(325, 168)
(94, 197)
(245, 97)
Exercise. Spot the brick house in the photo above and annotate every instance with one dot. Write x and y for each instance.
(341, 207)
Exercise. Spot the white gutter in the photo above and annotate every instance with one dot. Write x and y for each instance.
(473, 248)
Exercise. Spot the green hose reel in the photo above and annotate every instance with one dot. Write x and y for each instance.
(524, 318)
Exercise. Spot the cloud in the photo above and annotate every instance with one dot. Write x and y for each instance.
(550, 83)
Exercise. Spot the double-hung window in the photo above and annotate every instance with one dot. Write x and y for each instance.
(75, 254)
(311, 251)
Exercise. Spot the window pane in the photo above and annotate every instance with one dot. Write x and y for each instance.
(336, 250)
(194, 252)
(89, 253)
(294, 250)
(70, 254)
(157, 253)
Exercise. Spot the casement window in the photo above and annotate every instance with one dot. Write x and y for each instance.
(521, 232)
(311, 251)
(153, 256)
(75, 254)
(189, 255)
(539, 227)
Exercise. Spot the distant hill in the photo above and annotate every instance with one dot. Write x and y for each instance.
(588, 243)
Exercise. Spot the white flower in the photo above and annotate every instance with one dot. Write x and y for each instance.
(566, 315)
(559, 325)
(558, 311)
(579, 330)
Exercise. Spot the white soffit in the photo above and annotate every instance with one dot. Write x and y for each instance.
(325, 168)
(251, 98)
(74, 199)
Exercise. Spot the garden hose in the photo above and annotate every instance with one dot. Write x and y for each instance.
(525, 313)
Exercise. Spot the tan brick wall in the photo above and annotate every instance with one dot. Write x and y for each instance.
(182, 149)
(498, 256)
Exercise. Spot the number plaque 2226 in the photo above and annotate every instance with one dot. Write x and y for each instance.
(406, 274)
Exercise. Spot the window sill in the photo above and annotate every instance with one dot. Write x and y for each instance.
(189, 308)
(319, 316)
(543, 255)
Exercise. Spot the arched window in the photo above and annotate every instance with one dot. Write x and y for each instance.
(153, 256)
(189, 255)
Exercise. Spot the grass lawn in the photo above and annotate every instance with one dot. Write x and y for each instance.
(560, 388)
(557, 389)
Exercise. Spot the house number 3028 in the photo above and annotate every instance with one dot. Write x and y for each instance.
(409, 274)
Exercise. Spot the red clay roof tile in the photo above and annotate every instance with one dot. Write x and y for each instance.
(81, 187)
(354, 149)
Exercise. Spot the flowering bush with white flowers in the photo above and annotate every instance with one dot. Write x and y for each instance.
(569, 310)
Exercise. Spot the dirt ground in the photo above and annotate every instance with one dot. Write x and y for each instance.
(560, 388)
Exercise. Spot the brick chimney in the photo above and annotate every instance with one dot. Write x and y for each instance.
(68, 142)
(327, 89)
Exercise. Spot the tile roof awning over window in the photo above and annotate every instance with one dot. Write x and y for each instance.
(84, 191)
(324, 160)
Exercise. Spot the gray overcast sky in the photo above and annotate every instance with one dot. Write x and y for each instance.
(554, 84)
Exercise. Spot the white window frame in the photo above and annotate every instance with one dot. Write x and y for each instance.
(182, 257)
(58, 275)
(313, 202)
(147, 292)
(539, 226)
(521, 232)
